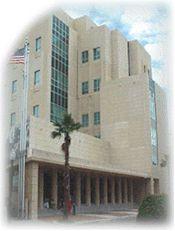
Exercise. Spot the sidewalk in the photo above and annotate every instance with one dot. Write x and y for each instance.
(91, 218)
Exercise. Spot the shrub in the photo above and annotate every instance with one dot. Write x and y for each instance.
(153, 207)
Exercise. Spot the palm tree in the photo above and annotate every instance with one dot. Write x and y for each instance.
(65, 127)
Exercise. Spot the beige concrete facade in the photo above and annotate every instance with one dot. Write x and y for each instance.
(118, 167)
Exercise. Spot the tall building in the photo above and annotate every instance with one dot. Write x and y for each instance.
(106, 83)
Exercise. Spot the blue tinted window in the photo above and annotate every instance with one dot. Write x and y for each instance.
(59, 69)
(14, 86)
(85, 120)
(154, 139)
(96, 53)
(37, 77)
(97, 118)
(85, 87)
(96, 84)
(38, 44)
(36, 111)
(84, 56)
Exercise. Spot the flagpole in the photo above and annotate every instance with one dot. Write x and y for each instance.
(23, 134)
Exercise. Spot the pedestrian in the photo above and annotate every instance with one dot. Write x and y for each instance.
(69, 206)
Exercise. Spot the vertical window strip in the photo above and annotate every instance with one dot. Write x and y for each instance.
(59, 69)
(154, 138)
(129, 68)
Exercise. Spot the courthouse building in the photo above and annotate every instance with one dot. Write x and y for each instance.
(106, 83)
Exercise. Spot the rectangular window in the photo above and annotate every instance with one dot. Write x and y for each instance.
(37, 77)
(38, 44)
(14, 86)
(84, 56)
(97, 118)
(36, 111)
(13, 119)
(96, 84)
(85, 88)
(85, 120)
(96, 52)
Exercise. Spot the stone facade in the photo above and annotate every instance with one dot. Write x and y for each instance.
(116, 169)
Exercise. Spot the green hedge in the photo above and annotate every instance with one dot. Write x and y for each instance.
(153, 207)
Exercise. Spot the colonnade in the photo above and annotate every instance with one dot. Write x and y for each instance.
(99, 189)
(87, 188)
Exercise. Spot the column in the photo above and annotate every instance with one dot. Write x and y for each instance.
(131, 191)
(150, 186)
(142, 189)
(97, 191)
(88, 190)
(41, 188)
(119, 190)
(54, 189)
(156, 186)
(105, 190)
(78, 189)
(33, 189)
(125, 199)
(113, 190)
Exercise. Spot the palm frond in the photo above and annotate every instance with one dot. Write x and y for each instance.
(67, 120)
(55, 134)
(66, 126)
(57, 124)
(75, 126)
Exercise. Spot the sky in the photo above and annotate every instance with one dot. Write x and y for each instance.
(149, 24)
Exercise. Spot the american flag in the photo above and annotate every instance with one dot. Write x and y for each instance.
(18, 57)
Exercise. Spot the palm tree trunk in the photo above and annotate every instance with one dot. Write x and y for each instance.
(66, 176)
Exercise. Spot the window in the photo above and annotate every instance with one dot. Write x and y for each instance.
(96, 84)
(37, 77)
(96, 52)
(154, 138)
(84, 56)
(144, 68)
(97, 118)
(36, 110)
(38, 44)
(13, 119)
(14, 86)
(85, 88)
(59, 70)
(152, 105)
(85, 120)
